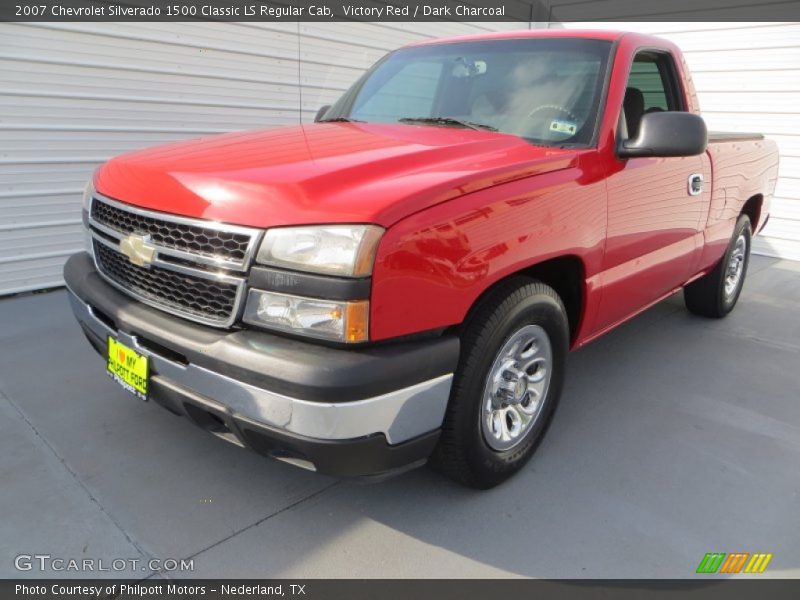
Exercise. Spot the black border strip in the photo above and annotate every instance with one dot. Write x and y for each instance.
(309, 285)
(714, 587)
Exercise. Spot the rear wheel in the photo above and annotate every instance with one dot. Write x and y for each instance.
(507, 385)
(716, 293)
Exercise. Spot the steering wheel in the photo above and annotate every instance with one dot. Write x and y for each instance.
(554, 107)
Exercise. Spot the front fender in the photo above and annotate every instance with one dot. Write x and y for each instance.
(432, 266)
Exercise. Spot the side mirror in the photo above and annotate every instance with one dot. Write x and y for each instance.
(667, 134)
(321, 113)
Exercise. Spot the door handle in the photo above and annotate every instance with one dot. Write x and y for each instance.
(695, 184)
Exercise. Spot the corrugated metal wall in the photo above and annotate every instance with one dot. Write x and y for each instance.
(72, 95)
(748, 79)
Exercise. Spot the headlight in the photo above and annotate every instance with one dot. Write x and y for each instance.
(344, 250)
(326, 319)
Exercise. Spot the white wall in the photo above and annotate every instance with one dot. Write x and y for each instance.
(748, 79)
(74, 94)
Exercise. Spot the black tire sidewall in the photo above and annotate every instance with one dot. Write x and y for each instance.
(537, 309)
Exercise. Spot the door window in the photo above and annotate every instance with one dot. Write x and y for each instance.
(652, 87)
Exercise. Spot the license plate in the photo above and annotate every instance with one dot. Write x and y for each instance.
(128, 368)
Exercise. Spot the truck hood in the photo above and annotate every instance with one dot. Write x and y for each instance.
(322, 173)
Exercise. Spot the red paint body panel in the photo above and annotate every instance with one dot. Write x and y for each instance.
(463, 209)
(450, 254)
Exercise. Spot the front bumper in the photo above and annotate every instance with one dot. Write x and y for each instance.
(349, 412)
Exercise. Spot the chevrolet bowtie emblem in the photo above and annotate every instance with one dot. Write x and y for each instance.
(137, 249)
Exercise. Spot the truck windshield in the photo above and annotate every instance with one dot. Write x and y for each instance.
(544, 90)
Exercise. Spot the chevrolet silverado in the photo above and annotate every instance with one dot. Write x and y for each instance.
(399, 281)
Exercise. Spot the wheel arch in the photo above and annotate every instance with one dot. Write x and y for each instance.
(752, 208)
(566, 274)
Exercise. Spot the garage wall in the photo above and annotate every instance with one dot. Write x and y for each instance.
(748, 79)
(74, 94)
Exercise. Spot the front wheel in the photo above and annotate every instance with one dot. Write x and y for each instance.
(716, 293)
(507, 385)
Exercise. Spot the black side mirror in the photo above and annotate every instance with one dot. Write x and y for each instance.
(321, 113)
(667, 134)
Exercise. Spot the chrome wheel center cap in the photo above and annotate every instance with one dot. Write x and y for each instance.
(512, 386)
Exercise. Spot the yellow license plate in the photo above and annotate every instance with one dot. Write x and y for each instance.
(128, 368)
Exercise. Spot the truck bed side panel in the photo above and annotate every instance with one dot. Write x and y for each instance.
(741, 169)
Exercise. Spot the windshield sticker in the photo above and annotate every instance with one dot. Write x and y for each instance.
(564, 126)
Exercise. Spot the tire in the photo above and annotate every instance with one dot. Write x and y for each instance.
(714, 295)
(471, 449)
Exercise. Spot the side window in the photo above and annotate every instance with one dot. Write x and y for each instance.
(652, 87)
(410, 91)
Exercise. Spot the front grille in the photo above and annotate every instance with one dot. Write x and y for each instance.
(197, 269)
(187, 294)
(196, 239)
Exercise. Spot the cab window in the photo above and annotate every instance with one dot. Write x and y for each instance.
(652, 87)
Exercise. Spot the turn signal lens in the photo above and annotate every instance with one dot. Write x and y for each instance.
(357, 321)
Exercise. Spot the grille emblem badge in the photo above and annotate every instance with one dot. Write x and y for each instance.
(138, 249)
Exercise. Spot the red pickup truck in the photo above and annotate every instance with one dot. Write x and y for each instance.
(400, 281)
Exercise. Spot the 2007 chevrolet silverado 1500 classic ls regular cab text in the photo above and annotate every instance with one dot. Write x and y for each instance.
(401, 280)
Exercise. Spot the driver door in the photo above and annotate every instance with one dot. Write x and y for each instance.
(653, 216)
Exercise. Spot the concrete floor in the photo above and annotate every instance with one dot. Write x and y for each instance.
(676, 436)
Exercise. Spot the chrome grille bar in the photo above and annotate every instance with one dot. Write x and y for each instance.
(149, 220)
(218, 270)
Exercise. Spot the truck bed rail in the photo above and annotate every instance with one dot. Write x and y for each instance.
(725, 136)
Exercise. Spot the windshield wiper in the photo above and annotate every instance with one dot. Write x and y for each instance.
(340, 120)
(448, 121)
